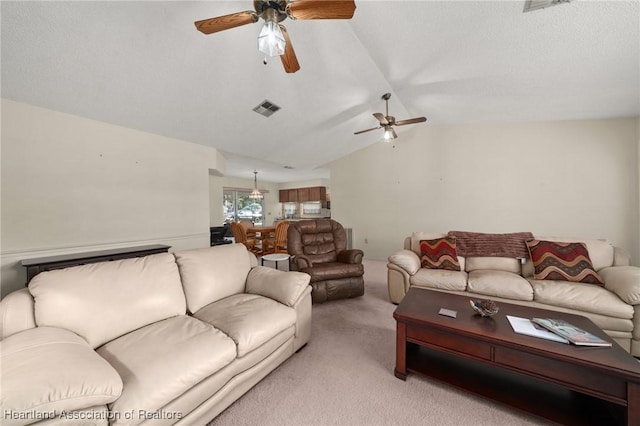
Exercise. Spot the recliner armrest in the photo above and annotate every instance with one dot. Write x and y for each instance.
(302, 261)
(350, 256)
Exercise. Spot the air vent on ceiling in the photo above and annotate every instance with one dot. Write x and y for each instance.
(266, 108)
(530, 5)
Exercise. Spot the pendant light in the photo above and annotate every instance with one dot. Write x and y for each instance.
(255, 194)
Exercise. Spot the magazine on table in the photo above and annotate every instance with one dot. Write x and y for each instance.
(525, 326)
(575, 335)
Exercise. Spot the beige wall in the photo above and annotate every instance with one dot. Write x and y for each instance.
(72, 184)
(638, 183)
(305, 183)
(576, 178)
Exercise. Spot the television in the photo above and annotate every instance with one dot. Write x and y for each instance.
(217, 234)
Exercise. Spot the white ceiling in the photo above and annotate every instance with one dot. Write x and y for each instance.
(143, 65)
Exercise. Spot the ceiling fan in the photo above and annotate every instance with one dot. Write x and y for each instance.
(388, 121)
(530, 5)
(274, 39)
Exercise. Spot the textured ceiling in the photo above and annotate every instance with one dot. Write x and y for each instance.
(143, 65)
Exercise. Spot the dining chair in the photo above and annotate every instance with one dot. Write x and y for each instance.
(247, 224)
(240, 236)
(280, 239)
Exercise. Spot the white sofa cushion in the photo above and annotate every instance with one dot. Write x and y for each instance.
(160, 362)
(213, 273)
(49, 370)
(440, 278)
(250, 320)
(499, 284)
(581, 297)
(507, 264)
(600, 251)
(102, 301)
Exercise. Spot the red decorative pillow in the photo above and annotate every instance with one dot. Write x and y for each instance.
(562, 262)
(439, 253)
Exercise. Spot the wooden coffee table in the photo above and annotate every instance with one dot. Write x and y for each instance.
(564, 383)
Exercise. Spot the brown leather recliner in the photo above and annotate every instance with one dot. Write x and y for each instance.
(319, 248)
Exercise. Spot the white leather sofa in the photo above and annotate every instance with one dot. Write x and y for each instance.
(171, 338)
(614, 307)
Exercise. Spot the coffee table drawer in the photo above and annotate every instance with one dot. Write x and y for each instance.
(450, 341)
(570, 374)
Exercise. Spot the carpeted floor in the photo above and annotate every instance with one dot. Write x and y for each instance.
(344, 376)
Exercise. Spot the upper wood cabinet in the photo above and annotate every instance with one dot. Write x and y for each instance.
(302, 195)
(318, 193)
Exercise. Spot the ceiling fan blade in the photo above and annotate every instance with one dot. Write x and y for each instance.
(368, 130)
(381, 118)
(321, 9)
(393, 132)
(411, 121)
(288, 58)
(221, 23)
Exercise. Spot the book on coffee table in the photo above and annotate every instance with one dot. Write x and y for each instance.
(525, 326)
(575, 335)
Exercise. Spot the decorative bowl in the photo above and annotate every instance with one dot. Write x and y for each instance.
(485, 307)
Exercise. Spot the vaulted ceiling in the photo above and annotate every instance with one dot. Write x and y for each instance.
(143, 65)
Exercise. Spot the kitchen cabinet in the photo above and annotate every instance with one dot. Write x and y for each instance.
(303, 195)
(318, 193)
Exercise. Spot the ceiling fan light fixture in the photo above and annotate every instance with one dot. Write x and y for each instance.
(388, 134)
(255, 194)
(388, 122)
(271, 40)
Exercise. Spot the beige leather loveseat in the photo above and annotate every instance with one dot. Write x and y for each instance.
(614, 307)
(171, 338)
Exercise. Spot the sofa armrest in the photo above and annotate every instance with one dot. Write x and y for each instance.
(624, 281)
(406, 260)
(350, 256)
(48, 370)
(17, 313)
(281, 286)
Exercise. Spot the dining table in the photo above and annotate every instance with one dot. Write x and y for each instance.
(266, 234)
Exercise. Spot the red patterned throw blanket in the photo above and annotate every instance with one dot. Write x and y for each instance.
(492, 245)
